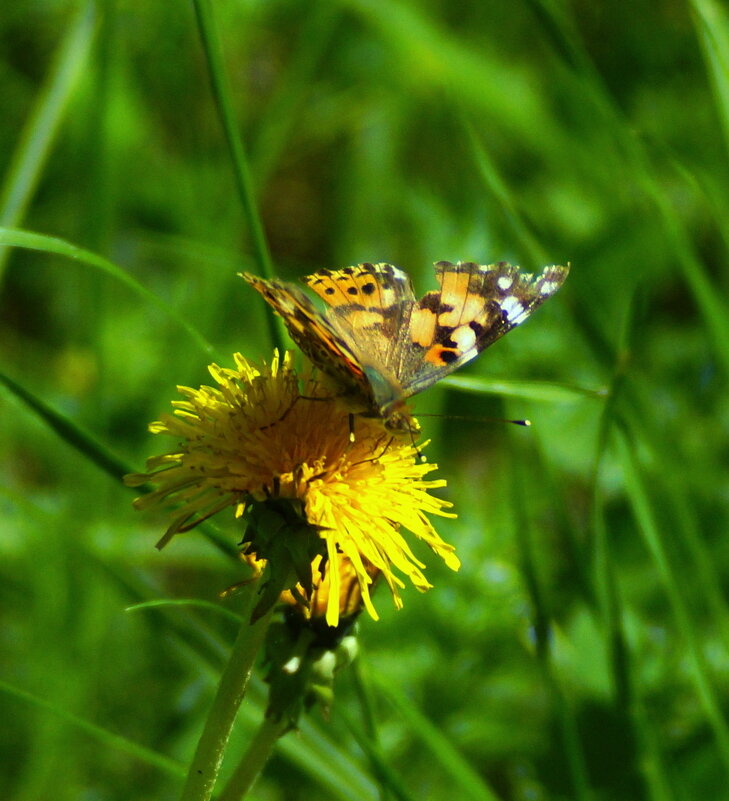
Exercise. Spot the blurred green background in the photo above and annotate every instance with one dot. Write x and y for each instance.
(582, 650)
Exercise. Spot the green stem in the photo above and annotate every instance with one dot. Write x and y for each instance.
(203, 770)
(255, 757)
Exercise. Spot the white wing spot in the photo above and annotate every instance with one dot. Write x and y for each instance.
(512, 308)
(548, 287)
(505, 282)
(399, 274)
(464, 337)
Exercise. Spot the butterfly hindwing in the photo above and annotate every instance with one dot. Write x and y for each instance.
(475, 306)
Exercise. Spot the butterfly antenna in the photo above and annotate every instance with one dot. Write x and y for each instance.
(525, 423)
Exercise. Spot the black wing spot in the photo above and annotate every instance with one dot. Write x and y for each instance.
(352, 290)
(368, 289)
(477, 328)
(432, 302)
(448, 356)
(443, 336)
(329, 290)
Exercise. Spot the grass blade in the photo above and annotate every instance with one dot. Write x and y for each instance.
(107, 738)
(221, 92)
(569, 732)
(69, 431)
(712, 28)
(313, 752)
(196, 602)
(97, 453)
(469, 782)
(50, 244)
(644, 515)
(42, 126)
(391, 785)
(281, 112)
(711, 303)
(546, 391)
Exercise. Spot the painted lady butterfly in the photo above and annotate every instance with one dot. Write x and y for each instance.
(382, 345)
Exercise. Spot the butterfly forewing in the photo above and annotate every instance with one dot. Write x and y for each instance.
(475, 306)
(322, 343)
(362, 293)
(370, 307)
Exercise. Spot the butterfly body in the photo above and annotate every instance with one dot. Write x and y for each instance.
(383, 345)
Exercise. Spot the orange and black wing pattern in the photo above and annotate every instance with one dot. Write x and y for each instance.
(475, 306)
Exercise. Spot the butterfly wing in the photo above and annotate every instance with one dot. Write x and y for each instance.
(321, 341)
(381, 343)
(475, 306)
(369, 305)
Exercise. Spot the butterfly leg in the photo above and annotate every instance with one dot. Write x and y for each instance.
(295, 401)
(378, 456)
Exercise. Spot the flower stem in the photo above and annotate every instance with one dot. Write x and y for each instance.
(254, 759)
(203, 771)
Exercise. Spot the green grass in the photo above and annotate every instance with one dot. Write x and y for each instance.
(149, 152)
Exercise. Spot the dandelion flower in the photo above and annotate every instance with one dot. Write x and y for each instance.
(265, 435)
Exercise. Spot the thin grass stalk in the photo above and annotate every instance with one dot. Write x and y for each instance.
(294, 88)
(569, 731)
(210, 39)
(712, 31)
(43, 124)
(69, 431)
(603, 569)
(645, 517)
(369, 721)
(648, 758)
(627, 703)
(675, 495)
(711, 304)
(98, 201)
(576, 550)
(390, 784)
(489, 174)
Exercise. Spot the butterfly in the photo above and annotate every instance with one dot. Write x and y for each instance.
(382, 345)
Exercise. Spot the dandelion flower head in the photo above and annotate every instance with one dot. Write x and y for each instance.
(265, 433)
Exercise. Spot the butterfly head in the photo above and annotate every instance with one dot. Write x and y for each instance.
(402, 422)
